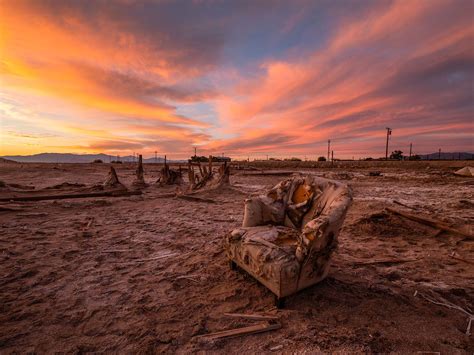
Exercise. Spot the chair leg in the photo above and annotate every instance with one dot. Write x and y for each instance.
(232, 265)
(279, 302)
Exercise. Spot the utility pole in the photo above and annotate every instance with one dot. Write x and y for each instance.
(389, 133)
(410, 151)
(195, 151)
(332, 156)
(439, 154)
(156, 157)
(329, 147)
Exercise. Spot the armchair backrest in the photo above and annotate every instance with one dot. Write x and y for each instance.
(322, 223)
(296, 201)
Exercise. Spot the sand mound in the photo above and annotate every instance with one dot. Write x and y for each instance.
(466, 171)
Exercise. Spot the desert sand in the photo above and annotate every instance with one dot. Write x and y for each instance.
(148, 273)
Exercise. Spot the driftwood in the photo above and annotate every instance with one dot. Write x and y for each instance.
(430, 222)
(253, 329)
(114, 193)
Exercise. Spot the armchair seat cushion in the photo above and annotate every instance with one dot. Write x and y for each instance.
(267, 253)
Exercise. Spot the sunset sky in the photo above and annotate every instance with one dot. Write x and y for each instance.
(240, 78)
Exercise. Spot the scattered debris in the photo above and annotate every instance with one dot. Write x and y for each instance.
(375, 173)
(402, 204)
(188, 277)
(10, 209)
(22, 187)
(431, 222)
(454, 256)
(251, 316)
(268, 173)
(383, 261)
(64, 185)
(149, 259)
(32, 214)
(252, 329)
(12, 186)
(85, 230)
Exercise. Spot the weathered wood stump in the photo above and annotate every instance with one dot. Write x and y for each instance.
(169, 176)
(139, 181)
(112, 180)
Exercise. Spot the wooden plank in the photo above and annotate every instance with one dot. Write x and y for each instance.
(119, 193)
(430, 222)
(384, 261)
(195, 199)
(253, 329)
(251, 316)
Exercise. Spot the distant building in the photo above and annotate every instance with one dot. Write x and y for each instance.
(203, 159)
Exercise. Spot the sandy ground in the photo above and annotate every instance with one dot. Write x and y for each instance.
(147, 274)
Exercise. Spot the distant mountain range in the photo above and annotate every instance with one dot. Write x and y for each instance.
(77, 158)
(447, 156)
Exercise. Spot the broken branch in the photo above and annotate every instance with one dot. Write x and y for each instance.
(445, 303)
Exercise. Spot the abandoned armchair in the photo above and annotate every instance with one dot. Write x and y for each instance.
(288, 235)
